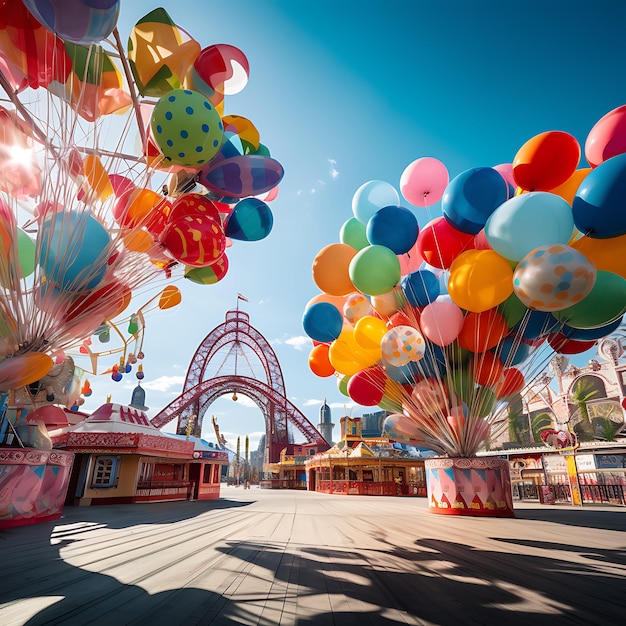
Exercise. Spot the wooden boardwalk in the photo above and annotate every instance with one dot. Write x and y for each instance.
(284, 557)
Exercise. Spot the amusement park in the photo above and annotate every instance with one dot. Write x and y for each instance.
(237, 389)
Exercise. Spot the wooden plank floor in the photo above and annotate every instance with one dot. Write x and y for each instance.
(284, 557)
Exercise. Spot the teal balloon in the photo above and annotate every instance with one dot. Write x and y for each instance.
(372, 196)
(187, 128)
(529, 221)
(73, 250)
(353, 234)
(250, 220)
(604, 304)
(375, 270)
(513, 310)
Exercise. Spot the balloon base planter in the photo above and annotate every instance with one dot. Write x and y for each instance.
(477, 486)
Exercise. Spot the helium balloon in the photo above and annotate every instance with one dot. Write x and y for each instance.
(568, 189)
(421, 287)
(367, 386)
(353, 233)
(187, 128)
(24, 369)
(599, 202)
(74, 250)
(79, 21)
(369, 331)
(242, 175)
(512, 383)
(196, 241)
(553, 277)
(402, 344)
(488, 369)
(604, 254)
(439, 243)
(348, 357)
(604, 303)
(356, 307)
(529, 221)
(546, 161)
(394, 227)
(482, 331)
(219, 70)
(472, 196)
(513, 351)
(441, 321)
(318, 361)
(561, 344)
(607, 138)
(372, 196)
(210, 274)
(423, 181)
(591, 334)
(192, 204)
(250, 220)
(374, 270)
(480, 280)
(513, 310)
(330, 269)
(322, 322)
(170, 297)
(386, 304)
(411, 260)
(506, 171)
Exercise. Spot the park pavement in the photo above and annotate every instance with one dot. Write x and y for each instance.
(287, 557)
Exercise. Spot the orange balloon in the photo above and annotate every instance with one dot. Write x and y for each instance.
(606, 254)
(138, 240)
(97, 177)
(318, 361)
(23, 369)
(170, 297)
(389, 303)
(330, 269)
(482, 331)
(546, 161)
(568, 189)
(337, 301)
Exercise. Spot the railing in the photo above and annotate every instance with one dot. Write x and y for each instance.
(610, 494)
(370, 488)
(525, 492)
(165, 489)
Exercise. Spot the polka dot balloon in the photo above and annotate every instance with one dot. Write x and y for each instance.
(553, 277)
(356, 307)
(187, 128)
(401, 345)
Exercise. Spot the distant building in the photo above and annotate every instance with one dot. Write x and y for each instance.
(372, 423)
(326, 425)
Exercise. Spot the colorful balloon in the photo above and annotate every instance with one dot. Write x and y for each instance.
(393, 227)
(372, 196)
(421, 287)
(401, 345)
(356, 306)
(482, 331)
(374, 270)
(330, 269)
(423, 181)
(369, 332)
(607, 138)
(250, 220)
(367, 387)
(187, 128)
(553, 277)
(353, 233)
(439, 243)
(196, 241)
(322, 322)
(318, 361)
(210, 274)
(441, 321)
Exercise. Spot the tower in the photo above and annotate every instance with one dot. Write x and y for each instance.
(326, 426)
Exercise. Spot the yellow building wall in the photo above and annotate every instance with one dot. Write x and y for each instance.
(128, 468)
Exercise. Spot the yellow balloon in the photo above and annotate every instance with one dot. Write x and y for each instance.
(568, 189)
(348, 357)
(97, 177)
(606, 254)
(368, 332)
(480, 280)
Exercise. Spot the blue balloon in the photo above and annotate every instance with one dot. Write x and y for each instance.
(250, 220)
(404, 374)
(372, 196)
(472, 196)
(537, 324)
(421, 287)
(322, 322)
(589, 334)
(394, 227)
(513, 351)
(433, 363)
(598, 205)
(74, 250)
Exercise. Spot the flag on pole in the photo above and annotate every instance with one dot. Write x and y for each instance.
(240, 297)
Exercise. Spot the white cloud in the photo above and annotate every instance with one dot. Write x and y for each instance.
(299, 343)
(164, 383)
(313, 191)
(333, 172)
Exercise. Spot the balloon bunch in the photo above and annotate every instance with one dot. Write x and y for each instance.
(443, 325)
(87, 216)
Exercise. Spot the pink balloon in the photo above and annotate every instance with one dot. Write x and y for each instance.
(423, 181)
(441, 321)
(410, 261)
(607, 138)
(506, 171)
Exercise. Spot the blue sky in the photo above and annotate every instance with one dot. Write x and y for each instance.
(345, 92)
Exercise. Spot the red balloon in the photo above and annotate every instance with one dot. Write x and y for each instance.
(439, 243)
(561, 344)
(367, 387)
(194, 204)
(482, 331)
(512, 382)
(196, 241)
(546, 161)
(488, 369)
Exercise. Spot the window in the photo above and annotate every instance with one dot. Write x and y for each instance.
(105, 472)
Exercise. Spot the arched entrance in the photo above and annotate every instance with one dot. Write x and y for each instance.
(231, 341)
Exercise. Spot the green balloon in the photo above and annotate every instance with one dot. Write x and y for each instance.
(375, 270)
(462, 382)
(513, 310)
(342, 385)
(25, 253)
(604, 304)
(483, 402)
(387, 404)
(187, 128)
(353, 233)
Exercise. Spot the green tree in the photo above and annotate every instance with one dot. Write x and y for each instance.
(540, 422)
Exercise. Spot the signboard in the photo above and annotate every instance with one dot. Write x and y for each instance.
(610, 461)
